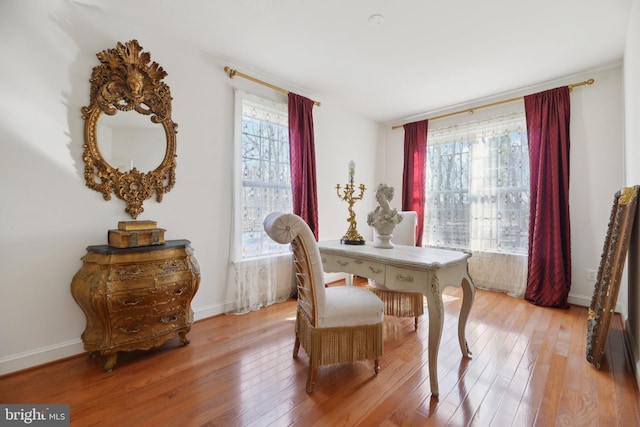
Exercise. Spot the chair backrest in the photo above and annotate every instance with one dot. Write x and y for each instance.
(405, 231)
(287, 228)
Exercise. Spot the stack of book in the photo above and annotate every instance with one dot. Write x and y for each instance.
(132, 234)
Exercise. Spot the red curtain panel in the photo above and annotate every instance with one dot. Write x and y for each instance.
(302, 155)
(549, 261)
(413, 174)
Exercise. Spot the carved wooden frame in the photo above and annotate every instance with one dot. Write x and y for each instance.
(127, 81)
(605, 295)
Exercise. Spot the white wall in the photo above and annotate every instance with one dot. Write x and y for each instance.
(48, 215)
(597, 172)
(597, 166)
(348, 138)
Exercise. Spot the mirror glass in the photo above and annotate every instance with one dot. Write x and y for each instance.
(128, 139)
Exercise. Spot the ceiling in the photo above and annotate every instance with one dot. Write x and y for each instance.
(421, 56)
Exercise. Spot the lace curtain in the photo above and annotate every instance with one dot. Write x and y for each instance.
(500, 272)
(259, 281)
(478, 197)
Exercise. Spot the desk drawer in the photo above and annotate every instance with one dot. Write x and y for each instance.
(370, 270)
(407, 279)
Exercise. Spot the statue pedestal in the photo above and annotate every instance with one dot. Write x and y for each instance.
(351, 241)
(382, 241)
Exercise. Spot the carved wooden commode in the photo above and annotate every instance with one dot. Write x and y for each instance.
(136, 298)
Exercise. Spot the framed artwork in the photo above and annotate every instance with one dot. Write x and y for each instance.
(605, 295)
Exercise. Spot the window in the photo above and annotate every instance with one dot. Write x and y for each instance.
(260, 270)
(477, 186)
(265, 172)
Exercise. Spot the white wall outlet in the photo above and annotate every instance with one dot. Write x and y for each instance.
(592, 275)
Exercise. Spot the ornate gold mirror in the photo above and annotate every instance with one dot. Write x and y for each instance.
(614, 254)
(129, 137)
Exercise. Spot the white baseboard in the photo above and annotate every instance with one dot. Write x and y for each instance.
(42, 355)
(586, 302)
(579, 300)
(210, 311)
(39, 356)
(334, 277)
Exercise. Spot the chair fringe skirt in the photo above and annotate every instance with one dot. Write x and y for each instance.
(400, 303)
(333, 345)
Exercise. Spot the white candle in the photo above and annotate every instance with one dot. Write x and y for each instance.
(352, 171)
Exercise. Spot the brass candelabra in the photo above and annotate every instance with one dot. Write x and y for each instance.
(352, 237)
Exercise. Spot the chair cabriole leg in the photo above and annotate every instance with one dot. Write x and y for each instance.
(311, 379)
(296, 347)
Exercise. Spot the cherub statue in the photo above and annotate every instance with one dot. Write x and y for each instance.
(384, 218)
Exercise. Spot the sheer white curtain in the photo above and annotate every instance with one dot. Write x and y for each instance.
(477, 197)
(260, 281)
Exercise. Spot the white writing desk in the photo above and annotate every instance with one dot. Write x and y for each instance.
(410, 268)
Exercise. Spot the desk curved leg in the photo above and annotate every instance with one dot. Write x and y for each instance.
(469, 292)
(436, 319)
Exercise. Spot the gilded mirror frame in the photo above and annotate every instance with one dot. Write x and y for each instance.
(127, 80)
(614, 253)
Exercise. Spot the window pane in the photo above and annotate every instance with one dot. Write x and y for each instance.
(266, 176)
(477, 186)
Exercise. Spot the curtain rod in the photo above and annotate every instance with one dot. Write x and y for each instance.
(471, 110)
(233, 73)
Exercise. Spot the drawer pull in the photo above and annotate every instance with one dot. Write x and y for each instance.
(178, 291)
(403, 278)
(130, 331)
(375, 270)
(129, 301)
(343, 263)
(168, 319)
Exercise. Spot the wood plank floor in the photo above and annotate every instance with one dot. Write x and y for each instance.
(528, 369)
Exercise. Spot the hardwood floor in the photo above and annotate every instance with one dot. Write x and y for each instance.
(528, 369)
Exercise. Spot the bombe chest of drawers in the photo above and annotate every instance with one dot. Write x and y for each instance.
(135, 298)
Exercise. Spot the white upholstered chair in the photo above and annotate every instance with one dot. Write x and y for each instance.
(341, 324)
(401, 303)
